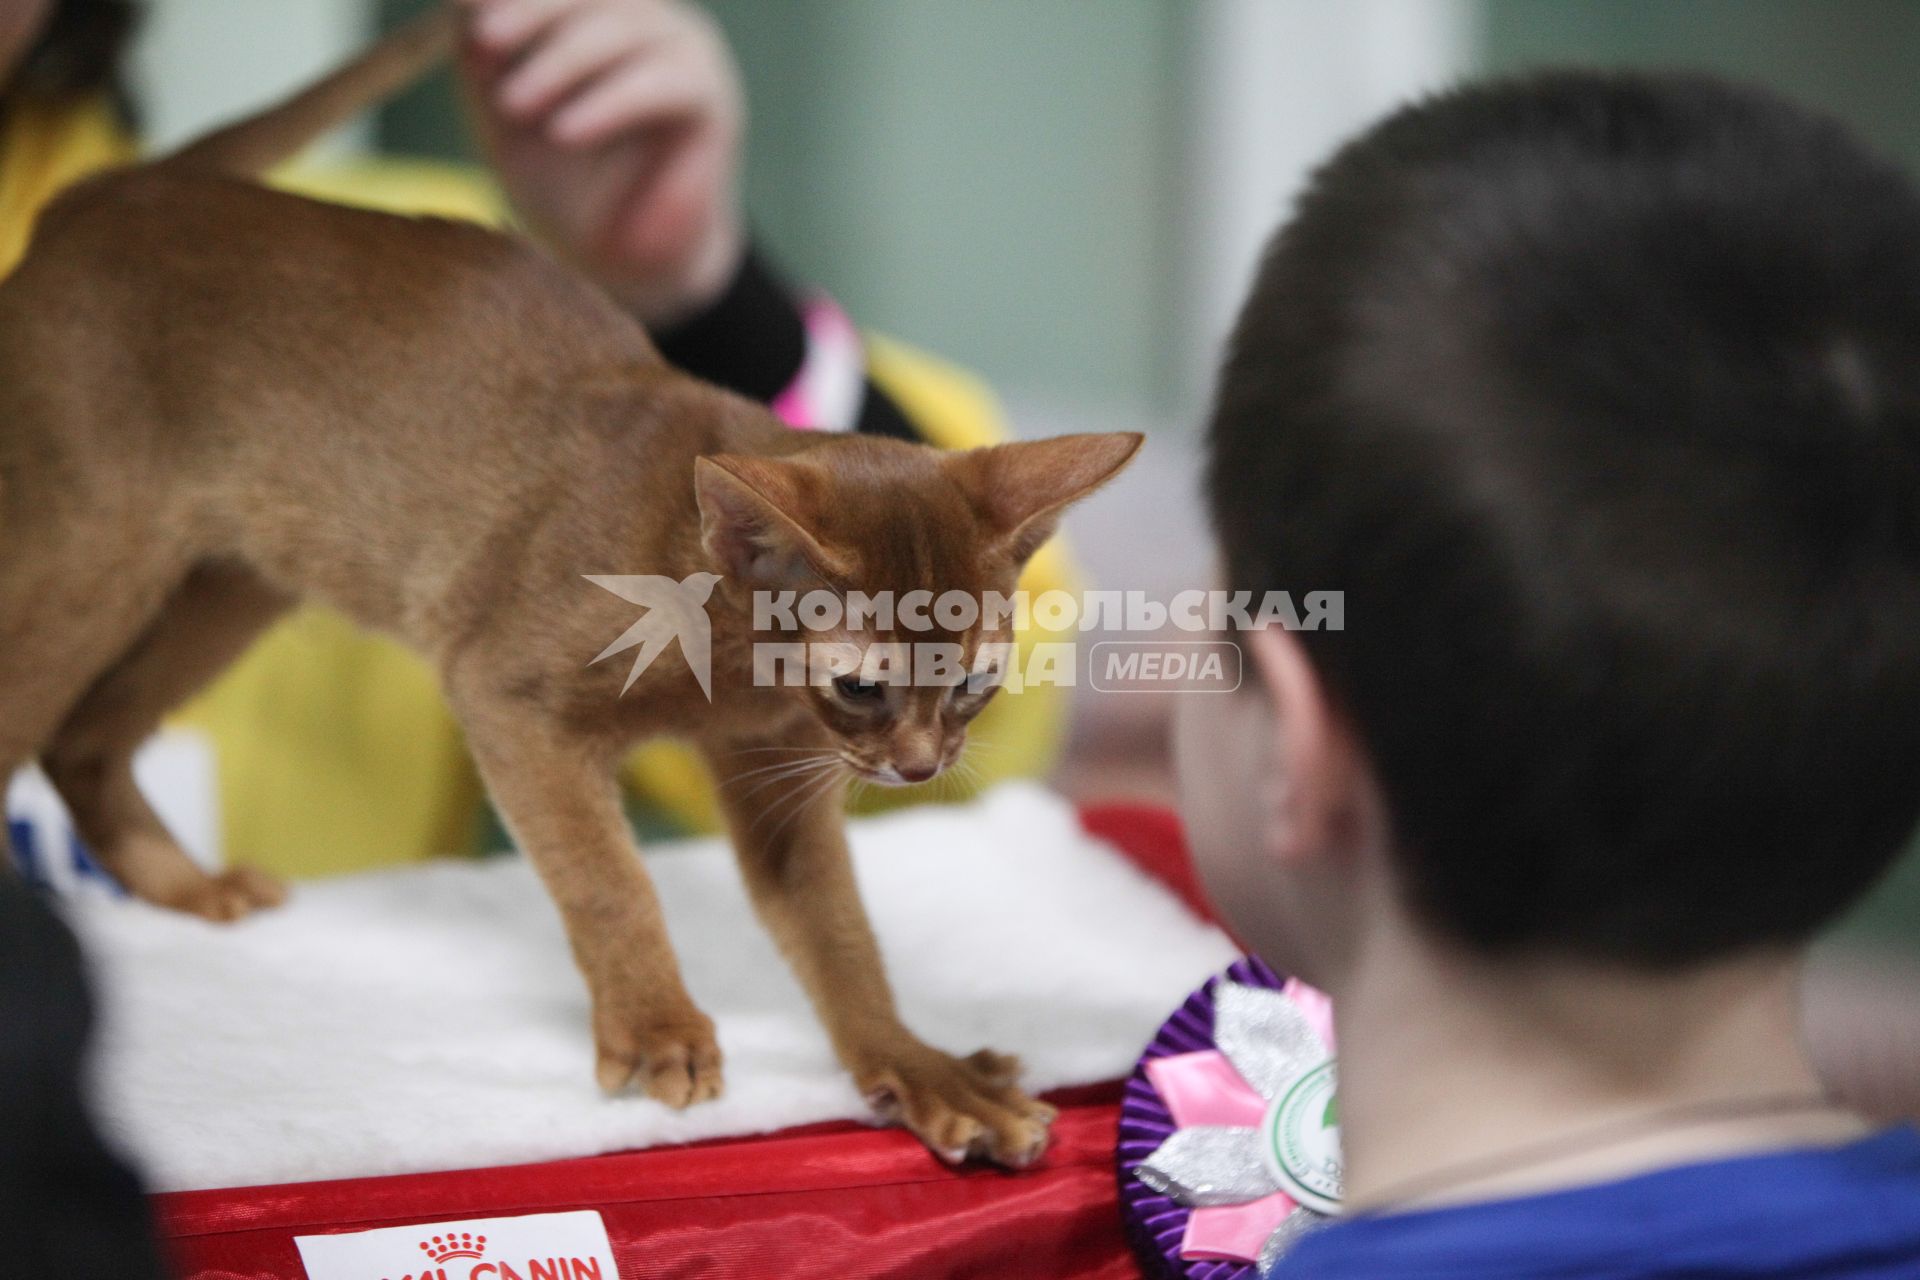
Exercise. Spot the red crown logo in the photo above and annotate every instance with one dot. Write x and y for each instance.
(461, 1245)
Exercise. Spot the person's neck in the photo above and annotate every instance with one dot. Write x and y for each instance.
(1449, 1063)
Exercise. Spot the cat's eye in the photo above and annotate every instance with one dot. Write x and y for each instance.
(856, 688)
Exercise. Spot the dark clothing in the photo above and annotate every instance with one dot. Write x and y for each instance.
(68, 1206)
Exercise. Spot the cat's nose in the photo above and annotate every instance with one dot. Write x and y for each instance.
(916, 753)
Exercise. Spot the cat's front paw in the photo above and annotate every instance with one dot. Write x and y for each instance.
(960, 1107)
(674, 1058)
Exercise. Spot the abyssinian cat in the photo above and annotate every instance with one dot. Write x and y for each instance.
(216, 400)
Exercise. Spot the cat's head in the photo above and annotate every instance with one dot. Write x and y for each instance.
(898, 535)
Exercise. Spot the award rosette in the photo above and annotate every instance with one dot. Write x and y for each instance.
(1229, 1144)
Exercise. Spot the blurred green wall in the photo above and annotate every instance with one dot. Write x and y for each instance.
(427, 119)
(1859, 59)
(990, 178)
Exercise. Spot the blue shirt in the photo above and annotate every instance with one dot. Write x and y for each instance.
(1841, 1213)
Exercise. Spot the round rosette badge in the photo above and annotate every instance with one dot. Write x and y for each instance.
(1230, 1128)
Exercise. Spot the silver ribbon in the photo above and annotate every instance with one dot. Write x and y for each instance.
(1209, 1165)
(1302, 1221)
(1265, 1036)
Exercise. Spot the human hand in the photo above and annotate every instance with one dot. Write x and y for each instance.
(615, 128)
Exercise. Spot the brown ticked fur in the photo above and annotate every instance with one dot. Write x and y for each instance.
(216, 400)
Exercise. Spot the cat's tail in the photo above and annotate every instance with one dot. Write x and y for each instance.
(250, 147)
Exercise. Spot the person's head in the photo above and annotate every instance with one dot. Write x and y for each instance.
(58, 48)
(1599, 398)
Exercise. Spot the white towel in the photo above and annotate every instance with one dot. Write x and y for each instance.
(430, 1017)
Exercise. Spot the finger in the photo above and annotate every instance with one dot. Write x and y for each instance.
(680, 204)
(571, 52)
(629, 97)
(503, 26)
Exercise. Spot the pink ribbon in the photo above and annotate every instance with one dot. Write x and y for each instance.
(1203, 1088)
(1234, 1232)
(1316, 1005)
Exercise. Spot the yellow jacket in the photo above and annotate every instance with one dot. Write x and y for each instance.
(335, 749)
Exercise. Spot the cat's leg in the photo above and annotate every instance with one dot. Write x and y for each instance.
(558, 796)
(205, 624)
(790, 836)
(70, 604)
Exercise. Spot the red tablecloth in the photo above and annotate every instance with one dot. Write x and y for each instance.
(829, 1201)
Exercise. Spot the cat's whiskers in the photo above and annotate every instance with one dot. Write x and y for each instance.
(803, 796)
(967, 773)
(960, 777)
(792, 785)
(816, 753)
(770, 772)
(987, 745)
(741, 751)
(784, 771)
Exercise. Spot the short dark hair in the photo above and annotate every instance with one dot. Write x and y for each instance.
(79, 52)
(1599, 397)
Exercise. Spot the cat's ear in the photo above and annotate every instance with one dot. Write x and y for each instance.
(753, 514)
(1023, 488)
